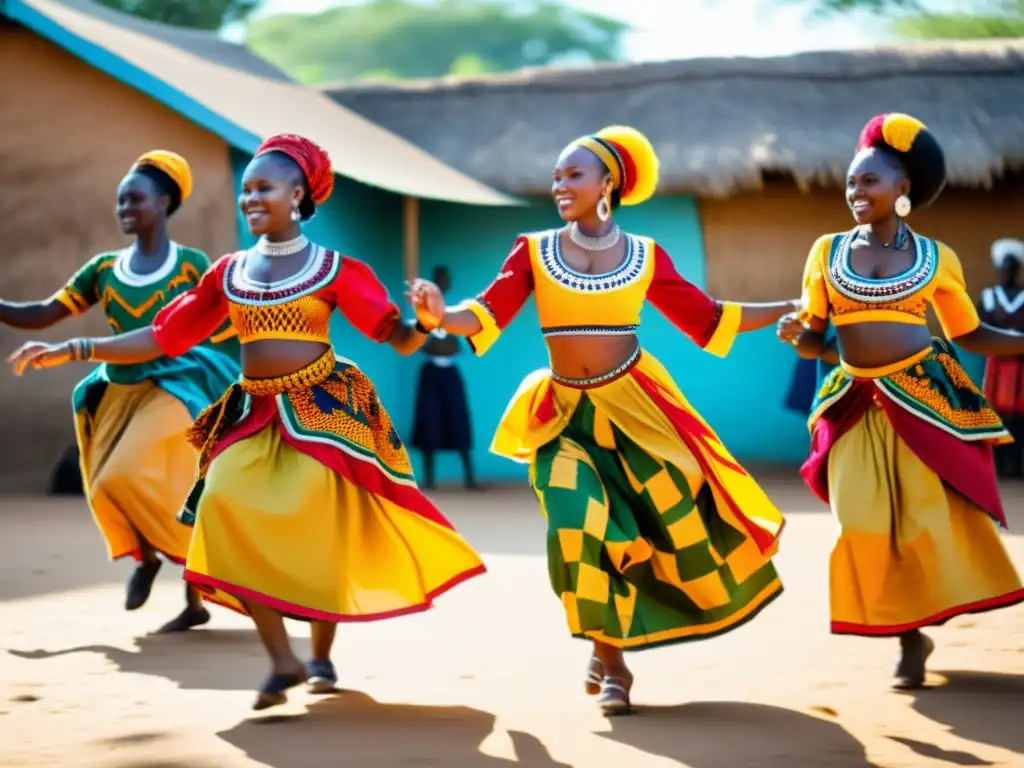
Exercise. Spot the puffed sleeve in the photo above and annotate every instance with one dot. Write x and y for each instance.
(814, 294)
(194, 315)
(956, 312)
(501, 301)
(711, 324)
(364, 301)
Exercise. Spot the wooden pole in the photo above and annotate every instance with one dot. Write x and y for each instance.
(410, 237)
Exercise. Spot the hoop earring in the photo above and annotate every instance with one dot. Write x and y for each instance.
(903, 206)
(296, 216)
(604, 210)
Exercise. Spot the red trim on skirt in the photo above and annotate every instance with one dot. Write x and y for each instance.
(965, 466)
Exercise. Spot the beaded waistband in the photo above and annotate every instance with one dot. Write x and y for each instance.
(589, 330)
(604, 378)
(315, 373)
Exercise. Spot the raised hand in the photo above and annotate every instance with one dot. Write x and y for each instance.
(39, 355)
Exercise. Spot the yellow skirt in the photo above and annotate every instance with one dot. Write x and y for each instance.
(911, 552)
(138, 469)
(276, 526)
(656, 535)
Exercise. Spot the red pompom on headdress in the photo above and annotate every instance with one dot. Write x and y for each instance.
(310, 157)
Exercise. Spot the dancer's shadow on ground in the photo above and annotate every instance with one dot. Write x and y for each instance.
(732, 734)
(355, 730)
(983, 707)
(218, 659)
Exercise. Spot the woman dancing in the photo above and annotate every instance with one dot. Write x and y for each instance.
(308, 507)
(655, 534)
(901, 445)
(131, 417)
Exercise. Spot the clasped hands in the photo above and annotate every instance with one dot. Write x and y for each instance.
(427, 302)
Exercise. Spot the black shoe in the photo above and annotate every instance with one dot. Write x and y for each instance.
(191, 617)
(915, 648)
(273, 690)
(141, 584)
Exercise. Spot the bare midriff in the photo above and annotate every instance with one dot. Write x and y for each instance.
(584, 357)
(272, 358)
(870, 346)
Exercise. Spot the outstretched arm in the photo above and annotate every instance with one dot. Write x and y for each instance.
(76, 297)
(365, 302)
(33, 315)
(711, 324)
(179, 326)
(136, 347)
(958, 315)
(482, 319)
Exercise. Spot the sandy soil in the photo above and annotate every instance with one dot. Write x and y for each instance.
(487, 679)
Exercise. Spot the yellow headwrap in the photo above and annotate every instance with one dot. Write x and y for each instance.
(171, 163)
(630, 159)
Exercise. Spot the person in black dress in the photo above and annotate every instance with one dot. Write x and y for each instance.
(442, 414)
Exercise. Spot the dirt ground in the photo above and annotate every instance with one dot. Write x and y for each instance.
(487, 679)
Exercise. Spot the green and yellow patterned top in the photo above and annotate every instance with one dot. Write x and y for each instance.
(131, 301)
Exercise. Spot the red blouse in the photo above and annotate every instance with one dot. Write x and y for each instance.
(340, 282)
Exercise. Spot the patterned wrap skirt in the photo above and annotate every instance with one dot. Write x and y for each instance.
(655, 534)
(307, 504)
(905, 462)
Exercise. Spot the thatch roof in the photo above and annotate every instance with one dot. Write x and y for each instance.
(224, 89)
(718, 124)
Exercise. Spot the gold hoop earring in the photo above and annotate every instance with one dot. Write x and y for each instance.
(903, 206)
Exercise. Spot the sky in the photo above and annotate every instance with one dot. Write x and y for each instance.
(676, 29)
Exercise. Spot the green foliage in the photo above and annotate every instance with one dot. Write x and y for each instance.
(411, 38)
(197, 14)
(911, 19)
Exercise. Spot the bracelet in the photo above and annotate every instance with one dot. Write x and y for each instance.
(81, 350)
(421, 328)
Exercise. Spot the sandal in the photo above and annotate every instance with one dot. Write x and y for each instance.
(272, 692)
(910, 671)
(595, 674)
(614, 698)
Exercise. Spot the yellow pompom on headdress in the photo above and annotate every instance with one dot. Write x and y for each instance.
(629, 157)
(918, 149)
(174, 167)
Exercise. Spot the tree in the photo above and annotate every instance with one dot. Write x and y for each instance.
(912, 19)
(412, 38)
(197, 14)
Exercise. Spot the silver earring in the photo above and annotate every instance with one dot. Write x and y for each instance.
(903, 206)
(603, 209)
(296, 216)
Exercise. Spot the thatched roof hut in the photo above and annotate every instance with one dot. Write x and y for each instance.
(719, 125)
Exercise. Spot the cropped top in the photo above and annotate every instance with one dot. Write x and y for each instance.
(131, 300)
(832, 291)
(297, 308)
(574, 303)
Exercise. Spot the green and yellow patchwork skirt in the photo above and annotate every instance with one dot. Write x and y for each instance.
(655, 534)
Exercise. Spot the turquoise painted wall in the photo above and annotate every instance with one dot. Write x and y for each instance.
(473, 243)
(741, 395)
